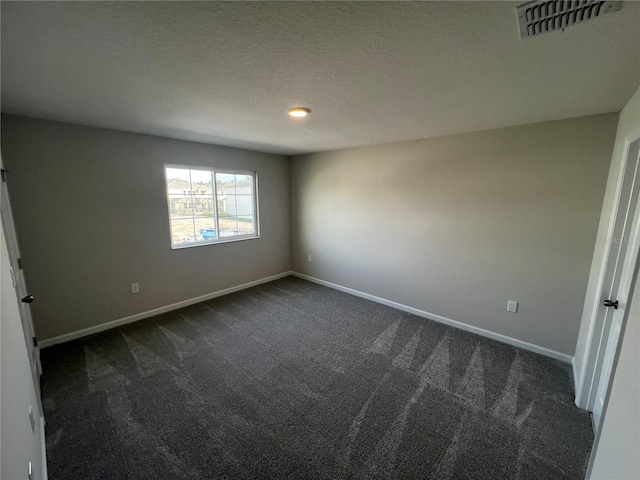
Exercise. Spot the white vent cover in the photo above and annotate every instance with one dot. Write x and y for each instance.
(543, 16)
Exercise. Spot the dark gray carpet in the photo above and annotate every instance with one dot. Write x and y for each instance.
(292, 380)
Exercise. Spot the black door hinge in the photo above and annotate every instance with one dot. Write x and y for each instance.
(4, 172)
(35, 342)
(20, 263)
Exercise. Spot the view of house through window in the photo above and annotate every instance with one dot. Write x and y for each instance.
(210, 206)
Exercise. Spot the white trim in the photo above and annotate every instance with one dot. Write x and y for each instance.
(156, 311)
(588, 377)
(43, 446)
(447, 321)
(437, 318)
(232, 238)
(576, 379)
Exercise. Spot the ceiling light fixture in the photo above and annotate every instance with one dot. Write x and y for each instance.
(299, 112)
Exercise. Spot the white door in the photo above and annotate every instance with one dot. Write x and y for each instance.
(22, 444)
(17, 277)
(623, 254)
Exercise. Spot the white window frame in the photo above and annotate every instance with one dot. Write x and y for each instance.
(214, 171)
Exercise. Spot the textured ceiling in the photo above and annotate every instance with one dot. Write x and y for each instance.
(371, 72)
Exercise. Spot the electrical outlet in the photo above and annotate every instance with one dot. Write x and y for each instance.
(309, 258)
(512, 306)
(135, 287)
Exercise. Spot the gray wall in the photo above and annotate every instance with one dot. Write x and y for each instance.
(91, 216)
(456, 226)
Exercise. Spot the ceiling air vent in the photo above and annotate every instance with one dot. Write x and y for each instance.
(544, 16)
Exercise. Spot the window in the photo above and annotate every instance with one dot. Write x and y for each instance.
(210, 206)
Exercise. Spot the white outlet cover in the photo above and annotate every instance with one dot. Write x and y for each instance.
(512, 306)
(135, 288)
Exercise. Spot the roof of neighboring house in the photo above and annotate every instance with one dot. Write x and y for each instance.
(231, 186)
(180, 184)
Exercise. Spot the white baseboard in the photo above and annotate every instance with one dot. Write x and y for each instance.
(438, 318)
(156, 311)
(43, 446)
(574, 374)
(447, 321)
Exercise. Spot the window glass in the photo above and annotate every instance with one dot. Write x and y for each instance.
(207, 206)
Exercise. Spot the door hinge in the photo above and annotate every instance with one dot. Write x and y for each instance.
(20, 263)
(4, 172)
(35, 342)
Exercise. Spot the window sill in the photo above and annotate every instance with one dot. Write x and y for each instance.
(215, 242)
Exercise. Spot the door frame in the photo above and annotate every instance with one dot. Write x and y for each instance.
(590, 378)
(631, 244)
